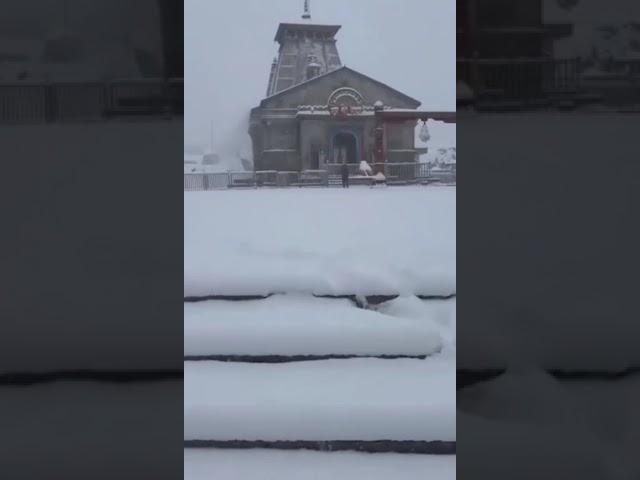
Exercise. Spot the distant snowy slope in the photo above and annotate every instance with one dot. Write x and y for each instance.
(440, 157)
(193, 163)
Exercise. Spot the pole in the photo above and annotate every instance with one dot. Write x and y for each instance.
(307, 10)
(211, 137)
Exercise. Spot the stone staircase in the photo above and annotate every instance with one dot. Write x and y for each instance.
(292, 372)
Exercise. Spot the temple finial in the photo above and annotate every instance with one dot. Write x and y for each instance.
(307, 10)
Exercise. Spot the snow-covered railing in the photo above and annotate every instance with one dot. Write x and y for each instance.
(394, 174)
(401, 173)
(242, 179)
(267, 178)
(38, 102)
(205, 181)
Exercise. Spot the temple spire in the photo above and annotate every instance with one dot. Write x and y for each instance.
(307, 10)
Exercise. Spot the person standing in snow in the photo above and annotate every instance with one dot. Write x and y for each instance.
(344, 170)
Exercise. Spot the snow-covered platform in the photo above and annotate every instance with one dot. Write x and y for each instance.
(326, 242)
(329, 400)
(289, 326)
(306, 465)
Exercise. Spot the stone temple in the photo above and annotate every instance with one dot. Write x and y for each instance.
(318, 111)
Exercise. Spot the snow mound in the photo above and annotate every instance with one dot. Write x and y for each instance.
(356, 399)
(441, 312)
(365, 168)
(295, 325)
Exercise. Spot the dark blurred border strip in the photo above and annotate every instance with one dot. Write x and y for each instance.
(109, 376)
(467, 378)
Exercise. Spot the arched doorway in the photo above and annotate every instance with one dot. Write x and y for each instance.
(345, 147)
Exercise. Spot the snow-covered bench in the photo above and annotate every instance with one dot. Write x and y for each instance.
(371, 180)
(360, 180)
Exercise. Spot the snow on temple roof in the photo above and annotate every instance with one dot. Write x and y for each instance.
(343, 67)
(305, 27)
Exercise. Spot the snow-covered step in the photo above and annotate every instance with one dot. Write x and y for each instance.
(441, 312)
(330, 400)
(320, 241)
(303, 327)
(259, 464)
(359, 300)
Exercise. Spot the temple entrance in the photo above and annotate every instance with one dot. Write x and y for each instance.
(345, 148)
(315, 157)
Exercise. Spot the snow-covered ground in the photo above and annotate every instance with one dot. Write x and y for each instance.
(304, 325)
(304, 465)
(441, 312)
(299, 242)
(364, 241)
(353, 399)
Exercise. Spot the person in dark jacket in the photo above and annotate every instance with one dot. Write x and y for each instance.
(344, 170)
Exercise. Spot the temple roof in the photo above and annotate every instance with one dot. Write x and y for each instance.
(334, 72)
(305, 27)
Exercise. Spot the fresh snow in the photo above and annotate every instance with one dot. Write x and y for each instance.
(261, 464)
(304, 325)
(325, 241)
(441, 312)
(365, 168)
(355, 399)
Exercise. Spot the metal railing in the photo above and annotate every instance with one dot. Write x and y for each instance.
(395, 174)
(400, 173)
(29, 102)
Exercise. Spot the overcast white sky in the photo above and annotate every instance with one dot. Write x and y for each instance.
(408, 44)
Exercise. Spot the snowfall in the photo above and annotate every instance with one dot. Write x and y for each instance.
(524, 420)
(385, 371)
